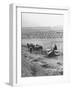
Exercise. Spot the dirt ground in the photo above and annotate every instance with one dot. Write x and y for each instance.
(36, 64)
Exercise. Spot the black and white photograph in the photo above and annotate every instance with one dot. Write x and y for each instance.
(41, 44)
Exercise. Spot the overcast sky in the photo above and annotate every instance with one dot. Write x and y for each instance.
(41, 20)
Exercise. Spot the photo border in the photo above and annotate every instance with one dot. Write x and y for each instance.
(13, 76)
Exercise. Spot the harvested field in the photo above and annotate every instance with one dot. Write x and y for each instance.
(36, 64)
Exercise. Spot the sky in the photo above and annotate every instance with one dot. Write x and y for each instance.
(41, 20)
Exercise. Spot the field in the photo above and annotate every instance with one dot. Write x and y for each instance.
(38, 64)
(34, 64)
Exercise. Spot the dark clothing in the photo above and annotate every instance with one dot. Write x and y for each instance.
(55, 47)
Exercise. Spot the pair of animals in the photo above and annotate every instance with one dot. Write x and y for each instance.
(32, 47)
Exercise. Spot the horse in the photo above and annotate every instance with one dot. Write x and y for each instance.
(32, 47)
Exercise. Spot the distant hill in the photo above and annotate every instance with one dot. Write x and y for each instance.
(34, 29)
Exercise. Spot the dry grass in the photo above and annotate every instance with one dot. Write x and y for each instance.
(38, 65)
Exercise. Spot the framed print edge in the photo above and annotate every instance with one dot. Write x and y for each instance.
(14, 46)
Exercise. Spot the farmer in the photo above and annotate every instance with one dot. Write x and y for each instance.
(55, 47)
